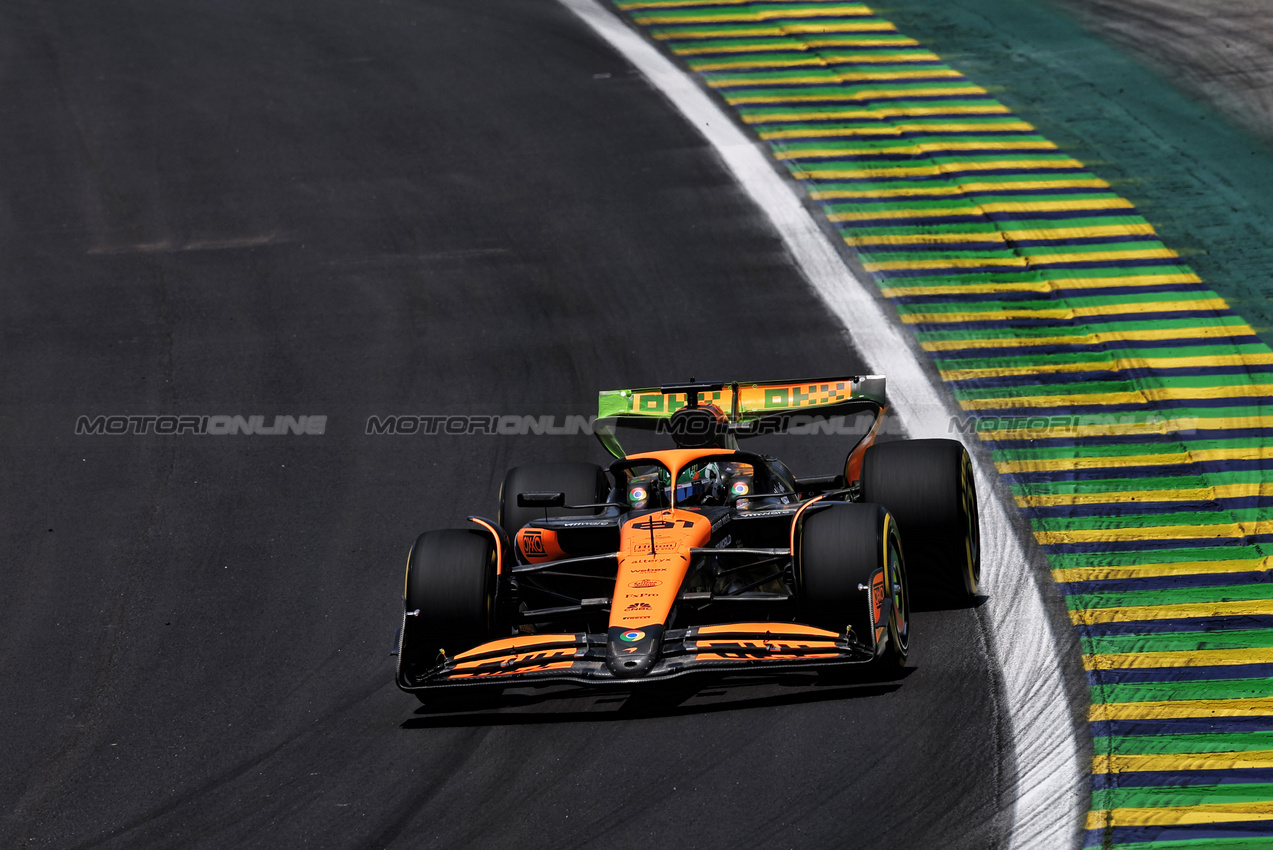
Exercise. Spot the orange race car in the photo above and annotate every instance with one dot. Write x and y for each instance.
(698, 558)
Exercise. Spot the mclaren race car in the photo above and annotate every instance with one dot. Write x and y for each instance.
(699, 558)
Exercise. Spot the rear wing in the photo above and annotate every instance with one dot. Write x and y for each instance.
(742, 401)
(745, 404)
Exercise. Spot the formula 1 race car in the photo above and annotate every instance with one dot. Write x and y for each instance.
(698, 558)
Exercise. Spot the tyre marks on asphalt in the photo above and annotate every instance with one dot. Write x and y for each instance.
(1125, 404)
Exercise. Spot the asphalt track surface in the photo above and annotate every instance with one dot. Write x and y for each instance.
(344, 210)
(1219, 51)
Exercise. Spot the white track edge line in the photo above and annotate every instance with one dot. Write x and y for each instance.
(1050, 802)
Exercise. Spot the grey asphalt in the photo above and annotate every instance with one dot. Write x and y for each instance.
(1218, 51)
(324, 208)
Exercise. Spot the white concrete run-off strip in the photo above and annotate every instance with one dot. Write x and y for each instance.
(1050, 799)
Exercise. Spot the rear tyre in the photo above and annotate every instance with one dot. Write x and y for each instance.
(449, 601)
(583, 483)
(841, 549)
(928, 487)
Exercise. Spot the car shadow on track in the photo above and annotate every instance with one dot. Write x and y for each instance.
(922, 602)
(594, 705)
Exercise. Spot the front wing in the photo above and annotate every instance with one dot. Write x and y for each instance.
(581, 658)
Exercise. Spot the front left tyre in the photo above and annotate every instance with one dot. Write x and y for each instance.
(841, 550)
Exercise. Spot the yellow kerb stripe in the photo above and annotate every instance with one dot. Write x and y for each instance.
(757, 15)
(766, 63)
(1042, 286)
(1201, 332)
(1182, 761)
(1181, 815)
(1207, 305)
(897, 130)
(1114, 462)
(874, 112)
(851, 77)
(1167, 709)
(1132, 614)
(829, 77)
(1195, 494)
(775, 44)
(1232, 531)
(765, 31)
(878, 59)
(1109, 364)
(1182, 568)
(1093, 203)
(874, 94)
(1004, 236)
(940, 168)
(1189, 658)
(826, 61)
(963, 189)
(1164, 426)
(674, 4)
(1023, 262)
(1142, 395)
(982, 209)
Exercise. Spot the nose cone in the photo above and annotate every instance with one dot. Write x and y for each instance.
(632, 653)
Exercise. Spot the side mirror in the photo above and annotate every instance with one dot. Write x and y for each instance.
(541, 499)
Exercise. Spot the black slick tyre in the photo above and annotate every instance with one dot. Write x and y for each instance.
(583, 484)
(845, 551)
(928, 487)
(449, 601)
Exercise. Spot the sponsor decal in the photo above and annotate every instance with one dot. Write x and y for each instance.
(533, 542)
(517, 663)
(638, 606)
(662, 524)
(634, 635)
(635, 546)
(655, 524)
(877, 596)
(645, 582)
(588, 524)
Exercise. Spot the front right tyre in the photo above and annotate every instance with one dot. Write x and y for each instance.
(928, 487)
(583, 484)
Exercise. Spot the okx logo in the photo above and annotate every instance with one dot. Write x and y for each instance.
(533, 542)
